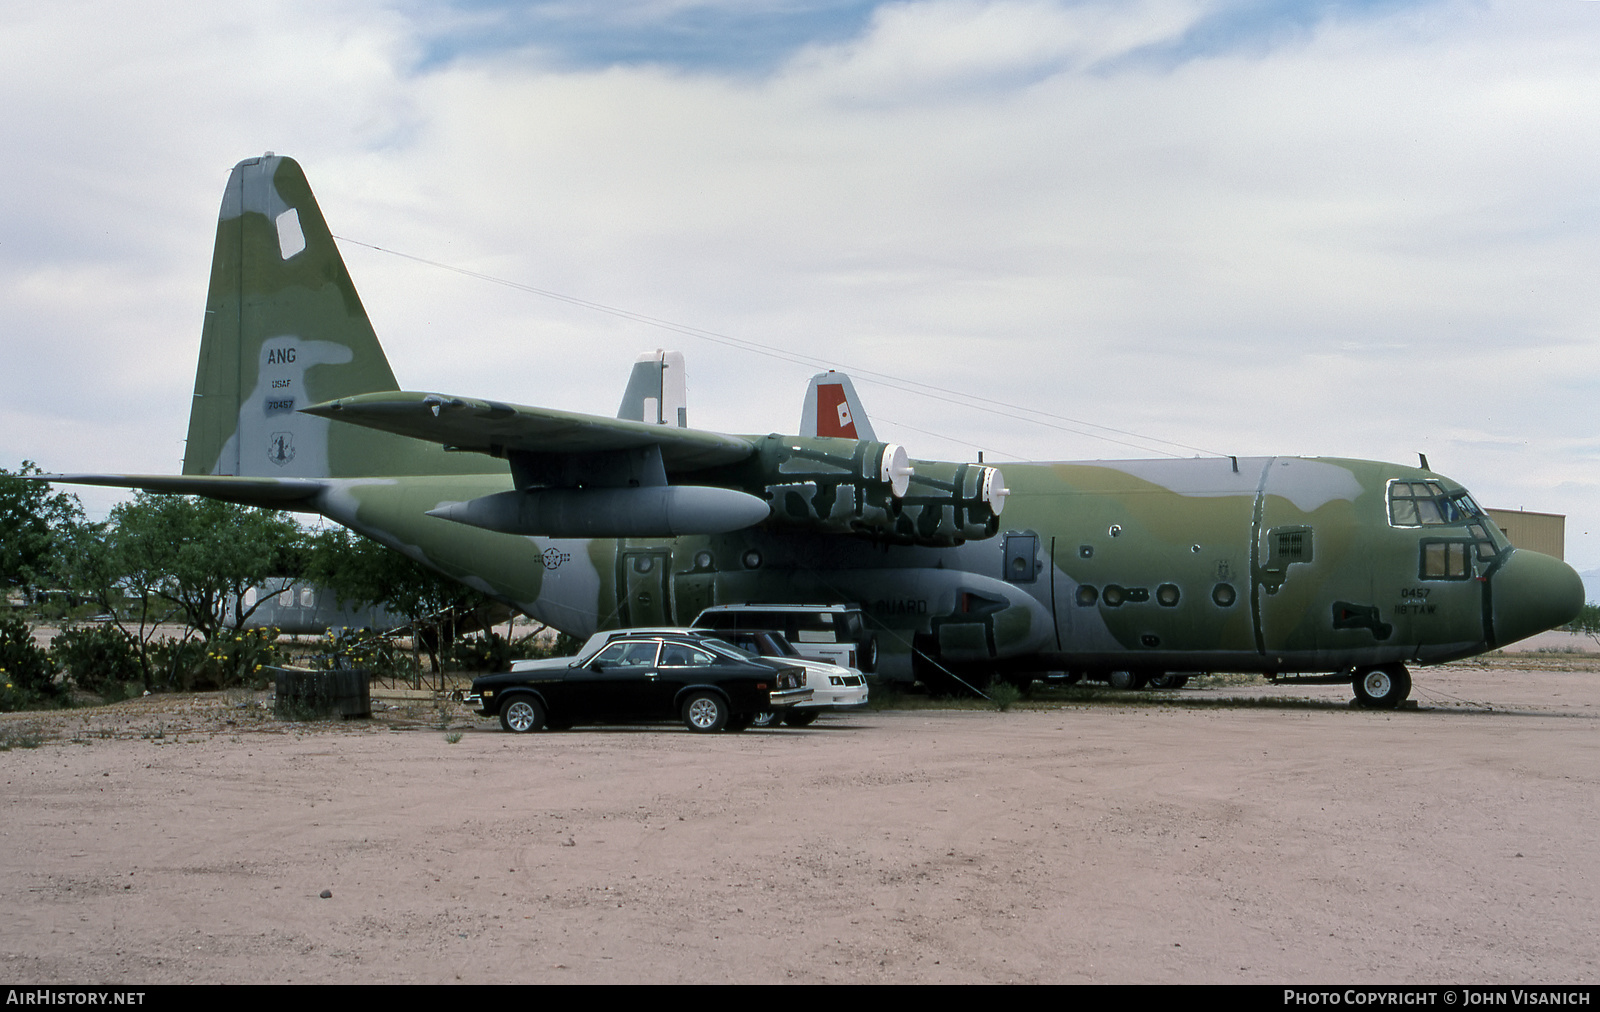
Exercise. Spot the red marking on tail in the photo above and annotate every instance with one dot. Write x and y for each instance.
(833, 412)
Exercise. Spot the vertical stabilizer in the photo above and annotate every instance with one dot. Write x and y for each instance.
(284, 328)
(832, 409)
(657, 392)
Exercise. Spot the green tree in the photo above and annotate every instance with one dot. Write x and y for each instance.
(91, 560)
(1587, 622)
(165, 559)
(32, 522)
(362, 571)
(202, 555)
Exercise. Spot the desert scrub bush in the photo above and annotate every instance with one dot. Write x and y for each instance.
(239, 659)
(175, 665)
(20, 734)
(99, 658)
(362, 648)
(1003, 695)
(27, 678)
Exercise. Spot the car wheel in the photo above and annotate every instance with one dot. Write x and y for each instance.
(799, 718)
(704, 712)
(521, 714)
(1169, 681)
(1126, 680)
(766, 718)
(1382, 688)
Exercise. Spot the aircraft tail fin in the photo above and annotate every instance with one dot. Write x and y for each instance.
(833, 409)
(284, 328)
(657, 392)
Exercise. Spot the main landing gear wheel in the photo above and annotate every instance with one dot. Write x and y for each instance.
(521, 714)
(1382, 688)
(704, 713)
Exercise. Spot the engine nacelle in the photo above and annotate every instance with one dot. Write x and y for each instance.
(849, 486)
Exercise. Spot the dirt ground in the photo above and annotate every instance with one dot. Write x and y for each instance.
(1222, 834)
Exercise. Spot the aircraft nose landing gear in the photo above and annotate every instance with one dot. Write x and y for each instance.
(1383, 687)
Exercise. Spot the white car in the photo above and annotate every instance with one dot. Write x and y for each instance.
(833, 686)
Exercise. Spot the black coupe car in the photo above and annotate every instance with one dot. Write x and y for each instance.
(623, 676)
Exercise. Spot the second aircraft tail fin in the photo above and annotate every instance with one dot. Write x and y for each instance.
(832, 409)
(657, 392)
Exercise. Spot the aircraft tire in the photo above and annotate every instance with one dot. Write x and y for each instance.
(1383, 687)
(799, 718)
(1127, 680)
(705, 713)
(521, 715)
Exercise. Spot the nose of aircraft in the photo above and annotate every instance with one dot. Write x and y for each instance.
(1531, 593)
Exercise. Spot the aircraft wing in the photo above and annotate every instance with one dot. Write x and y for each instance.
(467, 423)
(270, 493)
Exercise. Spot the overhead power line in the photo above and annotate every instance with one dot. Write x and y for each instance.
(978, 402)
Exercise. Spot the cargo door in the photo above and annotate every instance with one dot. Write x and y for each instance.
(642, 586)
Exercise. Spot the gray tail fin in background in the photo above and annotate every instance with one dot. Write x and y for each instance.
(284, 329)
(657, 392)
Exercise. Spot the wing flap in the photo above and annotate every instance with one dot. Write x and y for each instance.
(493, 427)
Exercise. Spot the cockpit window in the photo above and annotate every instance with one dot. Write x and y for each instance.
(1427, 503)
(1445, 560)
(1451, 558)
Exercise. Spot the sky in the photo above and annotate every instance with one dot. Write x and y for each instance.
(1043, 229)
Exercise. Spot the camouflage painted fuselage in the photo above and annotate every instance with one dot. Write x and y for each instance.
(1278, 564)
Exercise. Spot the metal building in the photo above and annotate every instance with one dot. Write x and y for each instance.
(1540, 532)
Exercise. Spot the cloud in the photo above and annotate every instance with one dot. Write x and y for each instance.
(1351, 229)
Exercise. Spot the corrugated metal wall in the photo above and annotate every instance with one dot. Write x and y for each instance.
(1541, 532)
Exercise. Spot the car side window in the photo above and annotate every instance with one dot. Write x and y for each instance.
(674, 655)
(627, 655)
(678, 655)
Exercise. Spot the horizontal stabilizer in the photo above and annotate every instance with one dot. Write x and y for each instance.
(663, 511)
(269, 493)
(466, 423)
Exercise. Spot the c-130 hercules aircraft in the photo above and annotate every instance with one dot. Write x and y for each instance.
(1278, 565)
